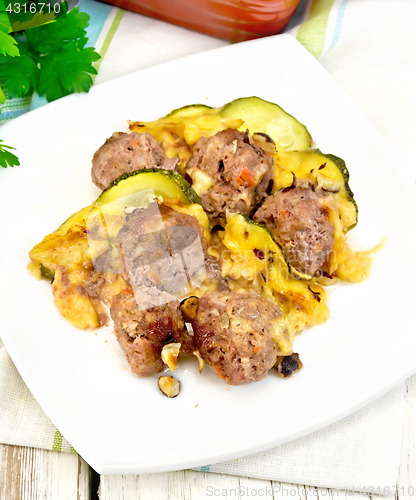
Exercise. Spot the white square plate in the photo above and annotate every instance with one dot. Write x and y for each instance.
(122, 424)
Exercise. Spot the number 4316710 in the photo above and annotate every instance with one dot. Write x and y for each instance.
(33, 8)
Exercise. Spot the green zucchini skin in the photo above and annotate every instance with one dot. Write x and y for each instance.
(307, 164)
(342, 167)
(294, 272)
(269, 118)
(172, 183)
(47, 273)
(257, 224)
(340, 163)
(189, 111)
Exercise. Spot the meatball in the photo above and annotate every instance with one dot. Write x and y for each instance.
(301, 225)
(123, 153)
(143, 332)
(156, 242)
(234, 333)
(230, 173)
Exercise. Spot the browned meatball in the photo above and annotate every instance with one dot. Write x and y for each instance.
(143, 332)
(123, 153)
(234, 333)
(230, 173)
(301, 225)
(155, 242)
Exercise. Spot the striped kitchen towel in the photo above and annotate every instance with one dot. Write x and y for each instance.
(373, 58)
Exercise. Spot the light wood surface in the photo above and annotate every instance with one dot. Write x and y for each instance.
(188, 485)
(33, 474)
(407, 473)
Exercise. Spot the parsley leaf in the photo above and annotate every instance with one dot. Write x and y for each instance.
(51, 37)
(19, 74)
(66, 71)
(8, 45)
(7, 158)
(53, 59)
(34, 20)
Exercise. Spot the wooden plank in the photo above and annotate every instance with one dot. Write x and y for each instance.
(283, 491)
(191, 485)
(406, 486)
(34, 474)
(179, 485)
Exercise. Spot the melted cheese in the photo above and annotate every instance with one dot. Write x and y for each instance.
(201, 182)
(355, 266)
(66, 256)
(254, 261)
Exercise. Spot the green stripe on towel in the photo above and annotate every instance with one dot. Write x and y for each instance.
(57, 441)
(311, 34)
(111, 32)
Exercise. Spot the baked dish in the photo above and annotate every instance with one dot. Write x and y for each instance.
(215, 235)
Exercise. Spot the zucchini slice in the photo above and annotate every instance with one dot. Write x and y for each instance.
(189, 111)
(265, 237)
(166, 183)
(327, 172)
(78, 218)
(269, 118)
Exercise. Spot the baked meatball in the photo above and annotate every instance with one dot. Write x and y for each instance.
(143, 332)
(123, 153)
(301, 225)
(154, 244)
(230, 173)
(234, 332)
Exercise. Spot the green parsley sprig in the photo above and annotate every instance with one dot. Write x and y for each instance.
(50, 59)
(7, 158)
(53, 59)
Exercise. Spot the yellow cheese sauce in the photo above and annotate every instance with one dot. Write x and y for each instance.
(65, 257)
(248, 256)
